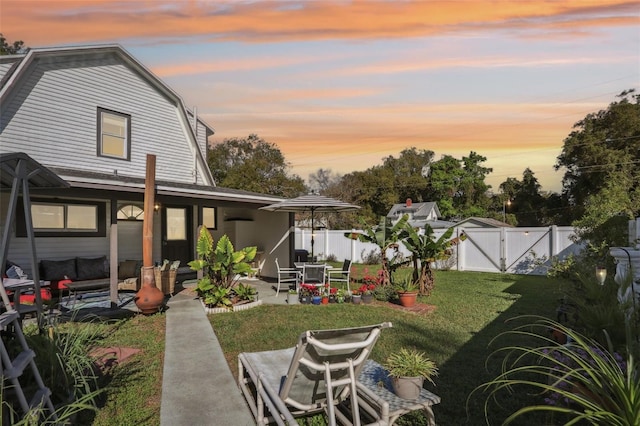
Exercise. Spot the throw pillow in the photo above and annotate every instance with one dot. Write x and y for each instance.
(56, 270)
(91, 269)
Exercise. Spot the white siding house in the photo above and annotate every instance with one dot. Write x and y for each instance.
(92, 115)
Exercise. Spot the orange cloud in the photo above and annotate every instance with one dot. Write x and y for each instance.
(63, 21)
(512, 137)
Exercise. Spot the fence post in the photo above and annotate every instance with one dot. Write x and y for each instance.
(459, 251)
(553, 240)
(326, 243)
(503, 249)
(353, 248)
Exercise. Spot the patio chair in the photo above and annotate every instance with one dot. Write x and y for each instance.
(318, 374)
(340, 275)
(286, 276)
(314, 273)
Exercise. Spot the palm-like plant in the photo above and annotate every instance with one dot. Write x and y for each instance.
(580, 380)
(385, 236)
(425, 249)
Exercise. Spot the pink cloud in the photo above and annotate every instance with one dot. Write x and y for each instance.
(63, 21)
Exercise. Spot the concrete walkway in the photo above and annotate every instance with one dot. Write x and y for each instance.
(197, 385)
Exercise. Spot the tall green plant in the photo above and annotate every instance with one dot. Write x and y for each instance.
(385, 236)
(222, 265)
(581, 381)
(425, 249)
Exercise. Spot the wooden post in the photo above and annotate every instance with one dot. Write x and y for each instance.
(149, 200)
(149, 297)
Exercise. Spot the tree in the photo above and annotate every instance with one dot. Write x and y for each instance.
(11, 49)
(253, 164)
(602, 157)
(472, 197)
(322, 179)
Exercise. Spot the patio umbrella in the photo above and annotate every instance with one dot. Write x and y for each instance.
(311, 203)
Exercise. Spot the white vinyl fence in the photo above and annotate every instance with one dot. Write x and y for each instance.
(512, 250)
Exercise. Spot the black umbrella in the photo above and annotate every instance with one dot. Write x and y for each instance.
(311, 203)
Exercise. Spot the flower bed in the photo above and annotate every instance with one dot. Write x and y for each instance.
(234, 308)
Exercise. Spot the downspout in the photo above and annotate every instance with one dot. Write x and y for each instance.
(195, 156)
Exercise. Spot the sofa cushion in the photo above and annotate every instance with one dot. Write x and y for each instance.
(127, 269)
(56, 270)
(91, 269)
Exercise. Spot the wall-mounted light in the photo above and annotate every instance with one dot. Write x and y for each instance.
(601, 274)
(156, 207)
(526, 233)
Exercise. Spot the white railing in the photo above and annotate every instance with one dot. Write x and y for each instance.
(513, 250)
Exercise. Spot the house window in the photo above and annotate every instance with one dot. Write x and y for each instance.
(209, 217)
(114, 134)
(130, 212)
(176, 223)
(64, 219)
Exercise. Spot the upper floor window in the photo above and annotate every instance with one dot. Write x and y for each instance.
(114, 134)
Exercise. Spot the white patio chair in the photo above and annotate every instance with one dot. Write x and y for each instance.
(286, 276)
(340, 275)
(319, 374)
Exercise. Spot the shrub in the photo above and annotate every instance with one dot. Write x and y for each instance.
(371, 258)
(331, 258)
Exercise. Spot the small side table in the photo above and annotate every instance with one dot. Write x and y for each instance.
(376, 397)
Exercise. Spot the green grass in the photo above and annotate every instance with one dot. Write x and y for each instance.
(471, 309)
(133, 392)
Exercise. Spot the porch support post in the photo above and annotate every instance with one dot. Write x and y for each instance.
(113, 254)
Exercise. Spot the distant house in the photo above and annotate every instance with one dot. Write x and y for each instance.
(91, 114)
(482, 222)
(419, 214)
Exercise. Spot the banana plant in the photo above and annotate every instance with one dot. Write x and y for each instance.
(425, 249)
(385, 236)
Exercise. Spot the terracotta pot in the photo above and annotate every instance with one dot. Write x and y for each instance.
(149, 298)
(407, 387)
(408, 298)
(325, 300)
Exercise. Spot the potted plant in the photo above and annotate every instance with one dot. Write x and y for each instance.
(366, 290)
(292, 297)
(407, 290)
(408, 368)
(356, 297)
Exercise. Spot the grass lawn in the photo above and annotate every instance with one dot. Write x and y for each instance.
(133, 392)
(471, 309)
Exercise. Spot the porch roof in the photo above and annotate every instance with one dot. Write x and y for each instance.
(122, 183)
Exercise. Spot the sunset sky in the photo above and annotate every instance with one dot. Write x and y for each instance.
(340, 84)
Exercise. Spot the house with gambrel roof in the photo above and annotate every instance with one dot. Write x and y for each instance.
(92, 114)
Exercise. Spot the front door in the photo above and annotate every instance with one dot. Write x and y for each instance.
(176, 234)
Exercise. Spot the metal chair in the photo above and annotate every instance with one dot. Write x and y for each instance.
(286, 276)
(319, 374)
(337, 275)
